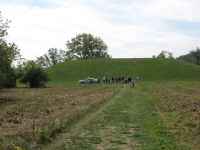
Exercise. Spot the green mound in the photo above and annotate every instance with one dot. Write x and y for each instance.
(148, 69)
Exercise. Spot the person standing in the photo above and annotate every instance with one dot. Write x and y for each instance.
(104, 79)
(122, 78)
(119, 79)
(137, 79)
(98, 80)
(108, 80)
(133, 82)
(113, 80)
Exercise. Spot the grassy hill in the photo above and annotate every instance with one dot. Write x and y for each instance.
(148, 69)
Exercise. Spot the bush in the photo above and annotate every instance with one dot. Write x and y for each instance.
(34, 75)
(8, 79)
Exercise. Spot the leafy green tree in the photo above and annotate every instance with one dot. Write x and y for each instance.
(34, 75)
(170, 55)
(53, 57)
(192, 57)
(44, 60)
(61, 56)
(9, 52)
(196, 54)
(154, 56)
(188, 58)
(164, 54)
(86, 46)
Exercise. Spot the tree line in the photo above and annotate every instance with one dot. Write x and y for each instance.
(192, 57)
(83, 46)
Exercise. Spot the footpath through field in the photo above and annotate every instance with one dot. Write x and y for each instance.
(126, 122)
(111, 126)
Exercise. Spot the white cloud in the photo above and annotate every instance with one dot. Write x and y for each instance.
(187, 10)
(129, 28)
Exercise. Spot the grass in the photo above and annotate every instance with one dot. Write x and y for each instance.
(105, 116)
(31, 117)
(148, 69)
(178, 105)
(131, 120)
(160, 112)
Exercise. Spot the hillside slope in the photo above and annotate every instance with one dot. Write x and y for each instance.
(148, 69)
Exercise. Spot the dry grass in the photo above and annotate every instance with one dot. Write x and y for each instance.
(96, 131)
(179, 106)
(29, 110)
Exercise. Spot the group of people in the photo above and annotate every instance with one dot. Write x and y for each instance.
(120, 79)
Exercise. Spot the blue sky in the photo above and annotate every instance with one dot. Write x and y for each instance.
(130, 28)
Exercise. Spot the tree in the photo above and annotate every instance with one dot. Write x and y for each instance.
(9, 52)
(164, 54)
(154, 56)
(34, 75)
(53, 54)
(188, 58)
(192, 57)
(86, 46)
(53, 57)
(56, 55)
(196, 54)
(61, 56)
(44, 60)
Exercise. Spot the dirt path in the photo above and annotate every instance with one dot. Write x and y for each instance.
(110, 126)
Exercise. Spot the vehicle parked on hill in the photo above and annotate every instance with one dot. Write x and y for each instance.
(88, 80)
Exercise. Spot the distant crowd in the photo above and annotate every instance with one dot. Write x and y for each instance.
(120, 79)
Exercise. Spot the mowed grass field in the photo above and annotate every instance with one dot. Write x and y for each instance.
(148, 69)
(162, 111)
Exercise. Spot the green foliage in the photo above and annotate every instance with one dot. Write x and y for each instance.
(56, 55)
(9, 52)
(86, 46)
(53, 57)
(188, 58)
(10, 79)
(44, 60)
(3, 28)
(164, 54)
(192, 57)
(196, 54)
(34, 75)
(44, 136)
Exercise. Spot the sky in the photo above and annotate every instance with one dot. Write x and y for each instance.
(130, 28)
